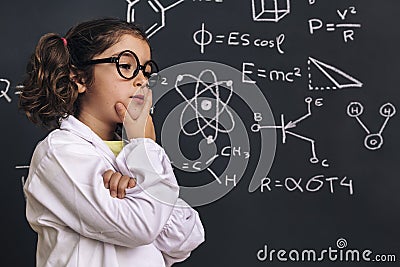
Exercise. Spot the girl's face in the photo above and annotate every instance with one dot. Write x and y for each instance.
(108, 88)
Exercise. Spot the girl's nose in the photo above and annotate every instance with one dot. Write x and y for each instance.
(140, 80)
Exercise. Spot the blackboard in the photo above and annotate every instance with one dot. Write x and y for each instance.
(298, 145)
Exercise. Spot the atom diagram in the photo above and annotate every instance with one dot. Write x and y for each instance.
(206, 105)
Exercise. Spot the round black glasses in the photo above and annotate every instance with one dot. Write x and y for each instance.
(128, 65)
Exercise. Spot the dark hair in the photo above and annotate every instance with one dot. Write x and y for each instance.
(48, 92)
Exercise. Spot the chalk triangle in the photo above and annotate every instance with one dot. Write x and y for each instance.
(331, 72)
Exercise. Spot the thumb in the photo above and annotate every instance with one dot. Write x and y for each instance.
(121, 110)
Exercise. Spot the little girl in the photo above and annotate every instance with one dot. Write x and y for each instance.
(92, 200)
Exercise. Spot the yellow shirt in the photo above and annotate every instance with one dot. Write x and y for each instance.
(115, 146)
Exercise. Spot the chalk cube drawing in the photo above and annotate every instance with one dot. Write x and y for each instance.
(270, 10)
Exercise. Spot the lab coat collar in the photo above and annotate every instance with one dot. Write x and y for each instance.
(80, 129)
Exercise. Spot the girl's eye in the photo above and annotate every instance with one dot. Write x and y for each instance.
(125, 66)
(147, 74)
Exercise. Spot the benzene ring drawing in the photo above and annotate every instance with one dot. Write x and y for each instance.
(202, 87)
(153, 14)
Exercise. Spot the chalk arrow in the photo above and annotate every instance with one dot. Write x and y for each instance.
(289, 125)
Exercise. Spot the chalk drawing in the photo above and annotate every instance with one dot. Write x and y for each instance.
(329, 72)
(156, 7)
(372, 141)
(4, 91)
(205, 105)
(270, 10)
(284, 127)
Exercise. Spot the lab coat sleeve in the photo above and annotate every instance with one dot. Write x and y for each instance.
(67, 180)
(183, 231)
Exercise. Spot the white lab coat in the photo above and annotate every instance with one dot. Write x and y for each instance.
(80, 225)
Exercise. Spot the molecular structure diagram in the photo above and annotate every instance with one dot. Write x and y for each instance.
(284, 127)
(206, 104)
(372, 141)
(154, 7)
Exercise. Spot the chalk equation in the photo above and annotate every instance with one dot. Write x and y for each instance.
(314, 184)
(372, 141)
(270, 10)
(249, 68)
(321, 75)
(4, 87)
(285, 126)
(204, 37)
(347, 29)
(227, 151)
(337, 78)
(154, 23)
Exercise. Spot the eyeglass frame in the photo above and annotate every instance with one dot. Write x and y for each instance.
(116, 61)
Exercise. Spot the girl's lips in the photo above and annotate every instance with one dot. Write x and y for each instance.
(138, 97)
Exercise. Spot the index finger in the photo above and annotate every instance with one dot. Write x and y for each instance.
(147, 106)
